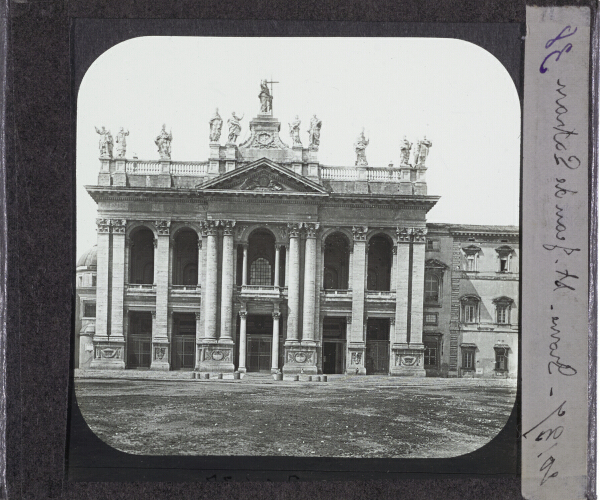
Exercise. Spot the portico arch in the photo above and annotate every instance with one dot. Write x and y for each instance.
(141, 261)
(379, 262)
(336, 261)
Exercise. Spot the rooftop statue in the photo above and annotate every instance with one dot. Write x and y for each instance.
(122, 142)
(360, 147)
(295, 131)
(216, 123)
(234, 127)
(163, 141)
(422, 151)
(405, 148)
(314, 133)
(105, 143)
(266, 99)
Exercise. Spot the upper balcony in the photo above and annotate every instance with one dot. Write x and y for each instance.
(382, 296)
(333, 295)
(262, 291)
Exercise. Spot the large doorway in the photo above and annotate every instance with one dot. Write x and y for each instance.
(377, 359)
(139, 340)
(334, 345)
(259, 331)
(184, 341)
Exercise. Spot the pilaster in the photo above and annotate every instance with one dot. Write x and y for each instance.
(160, 337)
(118, 279)
(356, 344)
(408, 350)
(109, 351)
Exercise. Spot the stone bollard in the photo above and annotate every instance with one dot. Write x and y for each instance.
(220, 376)
(206, 376)
(317, 379)
(296, 378)
(310, 378)
(324, 378)
(236, 375)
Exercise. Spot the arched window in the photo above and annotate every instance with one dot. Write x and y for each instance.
(185, 258)
(379, 263)
(337, 251)
(142, 257)
(260, 272)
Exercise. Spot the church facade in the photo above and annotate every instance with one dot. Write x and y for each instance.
(263, 259)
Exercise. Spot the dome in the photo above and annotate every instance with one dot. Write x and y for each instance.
(89, 258)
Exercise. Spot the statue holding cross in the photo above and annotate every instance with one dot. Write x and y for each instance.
(266, 97)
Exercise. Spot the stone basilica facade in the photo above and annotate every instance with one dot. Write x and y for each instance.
(263, 259)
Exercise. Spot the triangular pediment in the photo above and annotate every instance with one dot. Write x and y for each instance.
(265, 177)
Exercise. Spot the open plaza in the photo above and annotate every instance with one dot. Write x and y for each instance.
(171, 413)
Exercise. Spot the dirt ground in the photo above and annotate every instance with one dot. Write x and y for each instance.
(361, 417)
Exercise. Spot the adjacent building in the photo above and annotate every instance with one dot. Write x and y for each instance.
(263, 259)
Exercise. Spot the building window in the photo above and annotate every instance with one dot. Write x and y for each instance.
(260, 272)
(89, 310)
(502, 314)
(80, 281)
(504, 257)
(432, 289)
(429, 246)
(431, 318)
(468, 358)
(470, 309)
(471, 254)
(93, 280)
(503, 307)
(431, 353)
(471, 263)
(501, 359)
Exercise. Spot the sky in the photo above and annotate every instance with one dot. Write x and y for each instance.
(453, 92)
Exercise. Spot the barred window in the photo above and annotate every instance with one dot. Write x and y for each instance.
(260, 272)
(431, 354)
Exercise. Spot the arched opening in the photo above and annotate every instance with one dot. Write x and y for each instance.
(379, 263)
(142, 257)
(261, 258)
(185, 258)
(335, 267)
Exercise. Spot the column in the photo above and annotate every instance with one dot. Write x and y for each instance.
(293, 283)
(242, 365)
(202, 243)
(287, 266)
(275, 343)
(160, 340)
(418, 285)
(227, 282)
(118, 280)
(210, 294)
(402, 261)
(358, 276)
(245, 265)
(277, 261)
(310, 268)
(199, 260)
